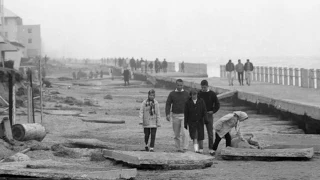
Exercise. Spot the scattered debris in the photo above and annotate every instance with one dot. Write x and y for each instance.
(108, 96)
(18, 157)
(104, 121)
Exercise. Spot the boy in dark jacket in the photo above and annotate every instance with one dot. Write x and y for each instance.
(212, 105)
(195, 115)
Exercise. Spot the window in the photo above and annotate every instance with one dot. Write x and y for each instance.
(29, 40)
(29, 30)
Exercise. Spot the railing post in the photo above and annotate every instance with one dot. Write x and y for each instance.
(221, 71)
(296, 77)
(275, 70)
(291, 76)
(266, 74)
(304, 78)
(254, 77)
(318, 78)
(280, 76)
(270, 74)
(311, 78)
(262, 74)
(258, 73)
(285, 72)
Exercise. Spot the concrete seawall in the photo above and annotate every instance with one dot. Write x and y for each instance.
(306, 115)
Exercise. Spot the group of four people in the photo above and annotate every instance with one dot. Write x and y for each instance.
(190, 112)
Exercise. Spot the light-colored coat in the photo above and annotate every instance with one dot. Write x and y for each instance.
(147, 120)
(225, 124)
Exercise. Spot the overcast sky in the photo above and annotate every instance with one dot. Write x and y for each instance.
(174, 28)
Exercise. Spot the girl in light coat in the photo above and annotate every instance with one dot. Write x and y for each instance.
(150, 119)
(224, 125)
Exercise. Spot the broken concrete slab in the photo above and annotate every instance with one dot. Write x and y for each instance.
(226, 94)
(160, 160)
(230, 153)
(60, 170)
(282, 141)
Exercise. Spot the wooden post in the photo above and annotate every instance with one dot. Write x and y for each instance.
(311, 78)
(11, 75)
(266, 75)
(262, 74)
(296, 77)
(3, 56)
(40, 79)
(304, 78)
(291, 76)
(275, 70)
(29, 105)
(254, 76)
(7, 128)
(220, 71)
(258, 73)
(318, 78)
(270, 74)
(280, 76)
(285, 72)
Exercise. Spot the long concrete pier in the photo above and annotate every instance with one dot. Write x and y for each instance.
(301, 104)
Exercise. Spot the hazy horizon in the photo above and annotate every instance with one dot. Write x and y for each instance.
(174, 29)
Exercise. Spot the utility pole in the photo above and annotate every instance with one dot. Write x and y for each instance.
(2, 29)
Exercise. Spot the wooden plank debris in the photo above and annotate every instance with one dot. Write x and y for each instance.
(230, 153)
(226, 94)
(104, 121)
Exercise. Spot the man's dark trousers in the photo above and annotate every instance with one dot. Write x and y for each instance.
(209, 127)
(240, 77)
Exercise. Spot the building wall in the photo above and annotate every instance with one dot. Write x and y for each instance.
(11, 28)
(30, 37)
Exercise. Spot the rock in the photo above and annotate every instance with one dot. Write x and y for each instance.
(238, 143)
(108, 96)
(18, 157)
(62, 151)
(97, 156)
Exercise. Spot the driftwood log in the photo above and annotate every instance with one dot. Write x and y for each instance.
(25, 132)
(104, 121)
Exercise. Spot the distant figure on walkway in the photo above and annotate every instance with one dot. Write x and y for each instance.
(132, 64)
(224, 126)
(176, 103)
(164, 65)
(146, 66)
(230, 72)
(182, 66)
(151, 66)
(101, 74)
(111, 72)
(240, 69)
(212, 105)
(248, 67)
(195, 116)
(126, 76)
(150, 119)
(74, 75)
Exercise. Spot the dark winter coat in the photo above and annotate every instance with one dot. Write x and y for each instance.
(230, 67)
(248, 66)
(126, 74)
(195, 115)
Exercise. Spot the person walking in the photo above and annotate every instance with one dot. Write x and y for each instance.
(230, 72)
(212, 106)
(150, 119)
(248, 67)
(126, 74)
(240, 69)
(224, 126)
(182, 66)
(176, 103)
(164, 65)
(195, 115)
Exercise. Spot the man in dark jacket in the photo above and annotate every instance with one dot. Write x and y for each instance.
(164, 65)
(175, 103)
(195, 115)
(230, 72)
(212, 106)
(126, 75)
(248, 67)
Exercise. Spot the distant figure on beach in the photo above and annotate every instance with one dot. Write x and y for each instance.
(212, 106)
(240, 69)
(230, 72)
(126, 76)
(182, 66)
(175, 104)
(248, 67)
(164, 65)
(224, 126)
(150, 119)
(195, 116)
